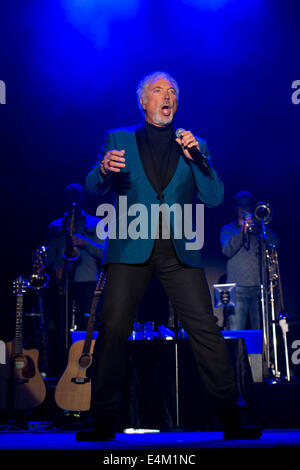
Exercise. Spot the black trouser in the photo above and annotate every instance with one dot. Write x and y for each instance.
(188, 292)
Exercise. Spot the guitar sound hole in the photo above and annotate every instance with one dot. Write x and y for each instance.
(25, 365)
(19, 362)
(85, 361)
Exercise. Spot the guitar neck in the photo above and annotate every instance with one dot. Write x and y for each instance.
(91, 322)
(91, 325)
(19, 325)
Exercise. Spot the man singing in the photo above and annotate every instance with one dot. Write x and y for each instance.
(150, 165)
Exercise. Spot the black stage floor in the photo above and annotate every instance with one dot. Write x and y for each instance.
(34, 449)
(45, 439)
(48, 436)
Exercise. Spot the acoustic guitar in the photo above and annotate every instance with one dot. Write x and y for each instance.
(28, 389)
(73, 391)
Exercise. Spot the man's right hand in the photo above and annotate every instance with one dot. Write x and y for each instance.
(246, 223)
(113, 161)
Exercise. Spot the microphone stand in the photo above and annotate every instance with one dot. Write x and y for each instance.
(67, 304)
(177, 428)
(71, 254)
(64, 292)
(44, 332)
(176, 369)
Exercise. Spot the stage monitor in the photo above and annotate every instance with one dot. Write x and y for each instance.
(224, 295)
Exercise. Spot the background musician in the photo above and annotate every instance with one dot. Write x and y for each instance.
(241, 246)
(82, 272)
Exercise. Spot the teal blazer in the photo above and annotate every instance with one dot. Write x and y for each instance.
(187, 186)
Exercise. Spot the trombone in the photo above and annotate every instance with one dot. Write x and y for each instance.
(272, 303)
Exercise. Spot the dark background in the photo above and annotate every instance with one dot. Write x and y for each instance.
(71, 70)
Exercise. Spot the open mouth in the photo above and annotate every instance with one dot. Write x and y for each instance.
(166, 109)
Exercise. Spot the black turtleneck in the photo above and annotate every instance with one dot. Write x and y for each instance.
(159, 154)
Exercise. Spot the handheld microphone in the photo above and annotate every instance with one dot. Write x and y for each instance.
(198, 157)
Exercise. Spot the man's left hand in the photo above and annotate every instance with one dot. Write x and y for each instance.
(186, 141)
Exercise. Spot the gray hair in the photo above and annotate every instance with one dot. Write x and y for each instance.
(141, 88)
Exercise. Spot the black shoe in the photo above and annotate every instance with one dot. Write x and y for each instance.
(233, 419)
(243, 432)
(95, 435)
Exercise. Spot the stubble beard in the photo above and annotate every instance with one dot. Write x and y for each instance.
(163, 122)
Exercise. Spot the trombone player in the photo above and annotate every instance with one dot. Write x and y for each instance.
(241, 246)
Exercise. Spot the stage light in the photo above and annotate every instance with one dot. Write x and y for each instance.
(95, 17)
(140, 431)
(207, 4)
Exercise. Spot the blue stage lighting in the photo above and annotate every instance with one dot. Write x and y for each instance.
(94, 17)
(207, 4)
